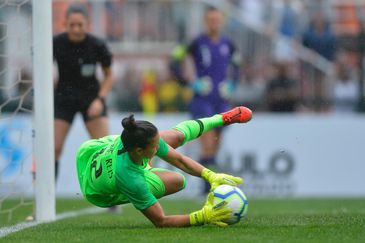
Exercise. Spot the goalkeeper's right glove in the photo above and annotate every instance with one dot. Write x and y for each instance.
(202, 86)
(216, 179)
(211, 214)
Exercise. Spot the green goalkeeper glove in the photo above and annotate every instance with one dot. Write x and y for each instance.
(210, 214)
(216, 179)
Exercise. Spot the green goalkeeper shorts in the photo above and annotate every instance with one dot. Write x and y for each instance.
(154, 182)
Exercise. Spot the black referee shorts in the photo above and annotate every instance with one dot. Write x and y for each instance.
(66, 107)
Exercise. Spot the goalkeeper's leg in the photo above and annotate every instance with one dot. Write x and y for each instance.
(192, 129)
(163, 182)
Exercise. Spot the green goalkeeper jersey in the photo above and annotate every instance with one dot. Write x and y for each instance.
(108, 177)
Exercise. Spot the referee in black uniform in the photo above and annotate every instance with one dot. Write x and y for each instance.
(77, 54)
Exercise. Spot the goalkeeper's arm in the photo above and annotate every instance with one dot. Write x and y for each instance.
(157, 216)
(209, 214)
(192, 167)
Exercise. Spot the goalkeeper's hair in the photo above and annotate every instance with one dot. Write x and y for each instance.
(77, 8)
(137, 133)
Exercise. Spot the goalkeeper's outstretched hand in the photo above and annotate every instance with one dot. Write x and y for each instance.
(216, 179)
(211, 214)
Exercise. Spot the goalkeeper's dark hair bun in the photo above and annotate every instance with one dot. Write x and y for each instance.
(129, 123)
(137, 133)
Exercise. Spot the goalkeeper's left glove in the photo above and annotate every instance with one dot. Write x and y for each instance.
(227, 88)
(216, 179)
(211, 214)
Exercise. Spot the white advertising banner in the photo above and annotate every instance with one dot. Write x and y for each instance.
(298, 155)
(277, 155)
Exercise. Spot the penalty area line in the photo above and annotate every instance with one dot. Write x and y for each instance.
(4, 231)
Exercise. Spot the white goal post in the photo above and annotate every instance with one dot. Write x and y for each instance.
(43, 110)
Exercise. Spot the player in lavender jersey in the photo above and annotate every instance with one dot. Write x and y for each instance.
(217, 69)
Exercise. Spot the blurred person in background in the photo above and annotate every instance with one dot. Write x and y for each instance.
(77, 54)
(286, 21)
(250, 90)
(148, 92)
(213, 55)
(282, 90)
(114, 17)
(320, 38)
(172, 96)
(346, 89)
(126, 91)
(289, 22)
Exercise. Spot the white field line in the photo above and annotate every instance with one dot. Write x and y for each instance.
(4, 231)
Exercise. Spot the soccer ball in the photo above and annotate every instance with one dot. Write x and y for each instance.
(235, 199)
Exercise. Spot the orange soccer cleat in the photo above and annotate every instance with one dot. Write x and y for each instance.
(239, 114)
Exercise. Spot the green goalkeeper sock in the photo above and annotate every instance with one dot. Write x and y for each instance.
(192, 129)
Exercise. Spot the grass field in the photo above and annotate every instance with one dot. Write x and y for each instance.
(279, 220)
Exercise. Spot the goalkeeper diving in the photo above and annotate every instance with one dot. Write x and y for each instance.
(116, 169)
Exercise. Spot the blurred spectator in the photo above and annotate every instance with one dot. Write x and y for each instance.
(148, 92)
(250, 91)
(114, 20)
(173, 97)
(126, 91)
(288, 25)
(320, 38)
(282, 94)
(254, 10)
(346, 90)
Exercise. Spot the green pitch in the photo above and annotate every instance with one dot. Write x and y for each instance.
(284, 220)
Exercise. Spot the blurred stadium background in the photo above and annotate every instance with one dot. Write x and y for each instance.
(315, 149)
(142, 34)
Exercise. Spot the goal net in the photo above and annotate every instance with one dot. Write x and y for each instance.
(19, 110)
